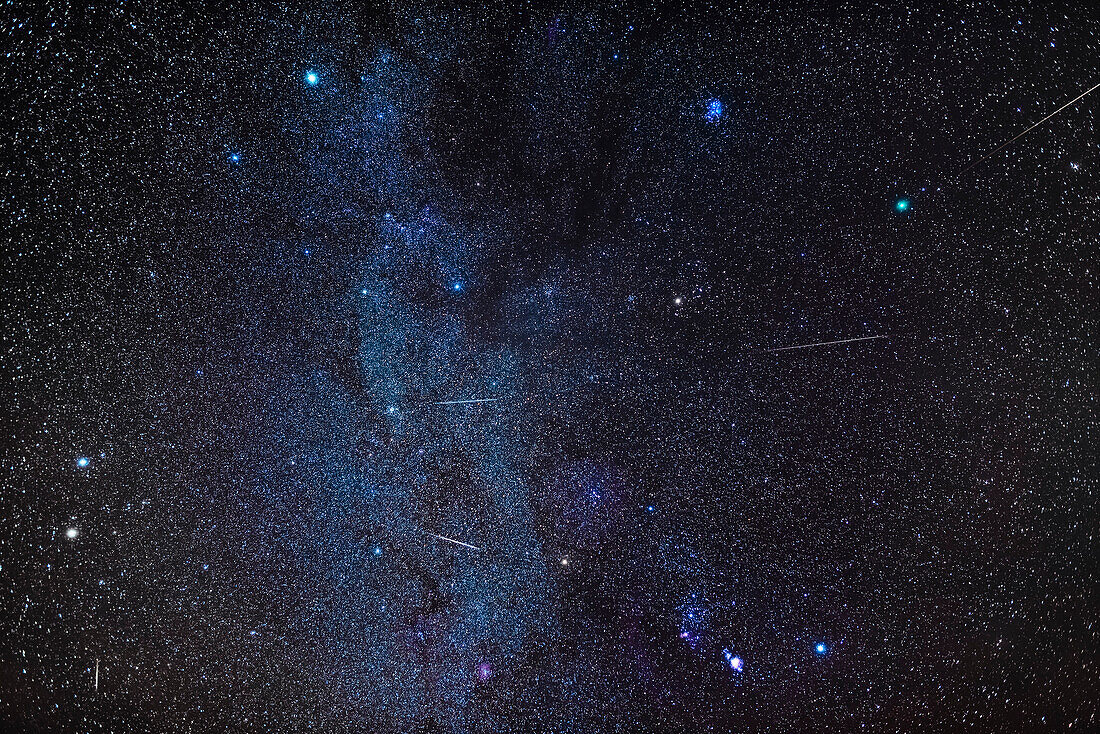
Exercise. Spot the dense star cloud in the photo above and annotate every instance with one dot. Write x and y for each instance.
(589, 368)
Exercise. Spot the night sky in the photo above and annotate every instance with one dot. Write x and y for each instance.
(398, 368)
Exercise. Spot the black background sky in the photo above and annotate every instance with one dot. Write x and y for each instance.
(250, 249)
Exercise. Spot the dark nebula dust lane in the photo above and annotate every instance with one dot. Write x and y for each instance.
(589, 368)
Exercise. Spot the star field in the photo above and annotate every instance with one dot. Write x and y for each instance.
(602, 368)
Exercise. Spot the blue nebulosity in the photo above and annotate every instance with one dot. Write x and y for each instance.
(83, 462)
(902, 205)
(312, 78)
(820, 648)
(714, 109)
(435, 619)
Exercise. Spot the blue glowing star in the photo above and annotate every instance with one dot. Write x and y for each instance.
(821, 648)
(714, 109)
(902, 205)
(650, 508)
(377, 550)
(312, 79)
(234, 157)
(83, 462)
(456, 286)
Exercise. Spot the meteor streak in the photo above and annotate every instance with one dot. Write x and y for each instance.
(465, 402)
(824, 344)
(1002, 146)
(452, 540)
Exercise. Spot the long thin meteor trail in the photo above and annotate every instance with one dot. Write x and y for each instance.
(825, 344)
(452, 540)
(1025, 132)
(465, 402)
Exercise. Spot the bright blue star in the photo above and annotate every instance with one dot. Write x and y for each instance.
(902, 205)
(650, 508)
(83, 462)
(312, 79)
(714, 109)
(234, 157)
(456, 286)
(377, 550)
(821, 648)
